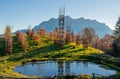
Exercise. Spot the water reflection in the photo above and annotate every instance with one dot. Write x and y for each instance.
(60, 68)
(67, 68)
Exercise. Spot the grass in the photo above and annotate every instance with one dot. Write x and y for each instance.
(48, 51)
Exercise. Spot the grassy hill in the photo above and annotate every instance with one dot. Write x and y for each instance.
(45, 51)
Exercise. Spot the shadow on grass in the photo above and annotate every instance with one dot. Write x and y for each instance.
(37, 52)
(67, 46)
(46, 41)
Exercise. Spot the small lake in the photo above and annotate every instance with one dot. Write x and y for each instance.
(60, 68)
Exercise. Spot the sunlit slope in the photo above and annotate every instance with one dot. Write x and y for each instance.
(47, 50)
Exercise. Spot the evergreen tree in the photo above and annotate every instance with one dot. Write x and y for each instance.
(116, 43)
(117, 29)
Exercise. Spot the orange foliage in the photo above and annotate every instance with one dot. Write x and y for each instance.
(22, 39)
(41, 32)
(8, 40)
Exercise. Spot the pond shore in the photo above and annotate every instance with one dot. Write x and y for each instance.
(8, 67)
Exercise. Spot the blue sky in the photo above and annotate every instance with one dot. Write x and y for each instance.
(22, 13)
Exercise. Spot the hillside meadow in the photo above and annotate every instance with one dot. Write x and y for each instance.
(48, 51)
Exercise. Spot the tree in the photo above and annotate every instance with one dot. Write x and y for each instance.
(18, 33)
(8, 40)
(105, 43)
(116, 43)
(22, 39)
(41, 32)
(55, 35)
(25, 43)
(95, 41)
(72, 36)
(77, 39)
(117, 29)
(36, 39)
(87, 36)
(32, 34)
(28, 32)
(51, 36)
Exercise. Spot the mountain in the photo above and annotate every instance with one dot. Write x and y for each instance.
(76, 24)
(22, 30)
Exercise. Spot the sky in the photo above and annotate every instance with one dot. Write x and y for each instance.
(20, 14)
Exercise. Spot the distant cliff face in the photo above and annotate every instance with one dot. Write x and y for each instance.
(76, 24)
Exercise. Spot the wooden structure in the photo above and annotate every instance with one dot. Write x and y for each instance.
(60, 36)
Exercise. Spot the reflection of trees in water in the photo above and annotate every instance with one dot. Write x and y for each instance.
(33, 62)
(61, 68)
(39, 69)
(85, 64)
(24, 69)
(67, 65)
(78, 63)
(67, 68)
(40, 66)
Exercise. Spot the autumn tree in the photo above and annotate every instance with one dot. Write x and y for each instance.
(81, 32)
(51, 37)
(72, 36)
(100, 42)
(25, 43)
(32, 34)
(41, 32)
(87, 36)
(19, 35)
(28, 32)
(55, 35)
(8, 40)
(78, 39)
(64, 35)
(35, 37)
(105, 43)
(95, 41)
(22, 39)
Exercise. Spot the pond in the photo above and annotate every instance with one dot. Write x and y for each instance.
(60, 68)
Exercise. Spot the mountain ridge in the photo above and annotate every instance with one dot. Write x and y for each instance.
(76, 24)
